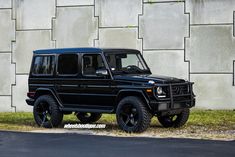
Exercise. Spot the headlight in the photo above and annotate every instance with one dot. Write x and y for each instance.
(159, 90)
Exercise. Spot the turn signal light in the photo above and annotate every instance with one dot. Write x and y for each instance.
(149, 90)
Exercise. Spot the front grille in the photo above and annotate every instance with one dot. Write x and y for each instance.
(180, 89)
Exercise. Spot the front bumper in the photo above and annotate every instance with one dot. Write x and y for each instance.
(166, 105)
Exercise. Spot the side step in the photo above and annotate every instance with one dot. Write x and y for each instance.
(67, 109)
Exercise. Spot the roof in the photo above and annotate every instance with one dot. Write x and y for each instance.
(67, 50)
(79, 50)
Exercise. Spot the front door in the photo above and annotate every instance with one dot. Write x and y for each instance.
(96, 89)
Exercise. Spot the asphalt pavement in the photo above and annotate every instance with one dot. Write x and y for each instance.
(17, 144)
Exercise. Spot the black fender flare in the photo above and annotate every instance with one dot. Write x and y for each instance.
(129, 91)
(51, 92)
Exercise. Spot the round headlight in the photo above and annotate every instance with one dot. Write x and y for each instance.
(159, 90)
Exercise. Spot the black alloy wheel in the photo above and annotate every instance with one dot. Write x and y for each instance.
(46, 112)
(132, 115)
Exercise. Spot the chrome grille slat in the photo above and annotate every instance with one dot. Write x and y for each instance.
(181, 89)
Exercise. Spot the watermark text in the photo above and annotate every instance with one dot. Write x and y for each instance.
(85, 126)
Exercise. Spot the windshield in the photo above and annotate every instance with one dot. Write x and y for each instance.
(126, 63)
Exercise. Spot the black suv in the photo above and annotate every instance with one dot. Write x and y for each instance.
(92, 81)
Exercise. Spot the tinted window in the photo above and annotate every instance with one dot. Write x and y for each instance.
(126, 63)
(91, 63)
(68, 64)
(43, 65)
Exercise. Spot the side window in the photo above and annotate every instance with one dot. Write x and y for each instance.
(43, 65)
(68, 64)
(91, 63)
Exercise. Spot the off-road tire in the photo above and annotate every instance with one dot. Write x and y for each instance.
(56, 116)
(84, 118)
(143, 116)
(179, 121)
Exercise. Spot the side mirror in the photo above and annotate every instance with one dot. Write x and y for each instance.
(101, 72)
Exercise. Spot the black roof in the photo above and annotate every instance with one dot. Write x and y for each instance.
(78, 50)
(65, 50)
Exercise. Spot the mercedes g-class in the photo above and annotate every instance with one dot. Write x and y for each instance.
(92, 81)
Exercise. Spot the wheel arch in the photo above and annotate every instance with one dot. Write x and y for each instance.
(131, 92)
(46, 91)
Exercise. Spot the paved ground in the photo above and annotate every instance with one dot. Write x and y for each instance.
(56, 145)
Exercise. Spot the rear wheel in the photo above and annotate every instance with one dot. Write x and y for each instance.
(132, 115)
(85, 117)
(175, 120)
(46, 112)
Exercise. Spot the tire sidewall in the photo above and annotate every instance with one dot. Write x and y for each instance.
(135, 102)
(56, 114)
(181, 119)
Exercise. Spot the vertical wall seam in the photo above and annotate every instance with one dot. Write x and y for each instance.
(185, 39)
(138, 29)
(98, 25)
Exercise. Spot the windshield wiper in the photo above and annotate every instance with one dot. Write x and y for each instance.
(132, 71)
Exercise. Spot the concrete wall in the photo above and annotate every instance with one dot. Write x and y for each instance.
(191, 39)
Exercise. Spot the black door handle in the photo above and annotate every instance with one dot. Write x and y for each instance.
(83, 86)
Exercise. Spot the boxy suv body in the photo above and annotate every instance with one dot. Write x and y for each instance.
(92, 81)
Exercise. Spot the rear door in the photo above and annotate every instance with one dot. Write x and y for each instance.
(67, 81)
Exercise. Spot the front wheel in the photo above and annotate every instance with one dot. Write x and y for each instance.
(132, 115)
(175, 121)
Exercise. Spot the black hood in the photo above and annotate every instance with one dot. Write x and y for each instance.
(148, 77)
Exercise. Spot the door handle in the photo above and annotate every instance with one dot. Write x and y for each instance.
(83, 86)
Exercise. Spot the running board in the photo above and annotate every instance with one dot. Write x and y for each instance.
(87, 110)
